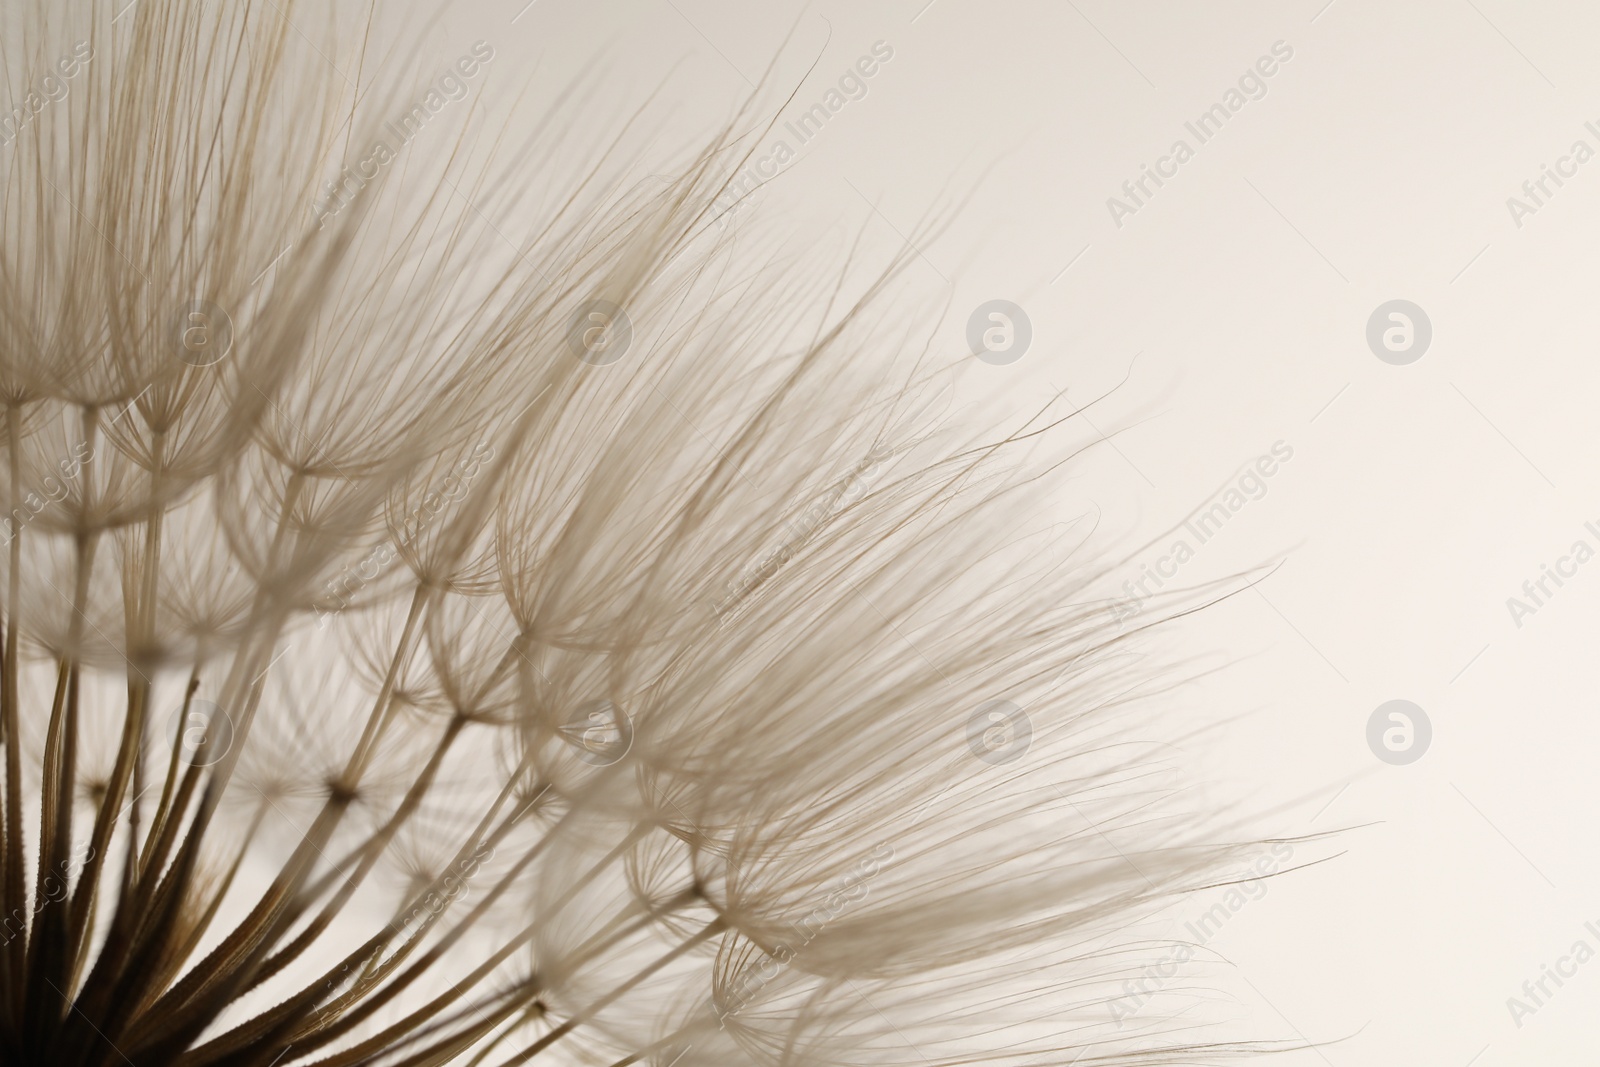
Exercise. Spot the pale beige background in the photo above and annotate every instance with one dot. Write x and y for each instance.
(1377, 166)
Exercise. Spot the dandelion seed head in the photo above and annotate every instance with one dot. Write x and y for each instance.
(424, 645)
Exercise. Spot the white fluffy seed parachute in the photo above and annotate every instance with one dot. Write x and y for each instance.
(456, 610)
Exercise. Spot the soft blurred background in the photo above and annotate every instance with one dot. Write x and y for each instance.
(1227, 314)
